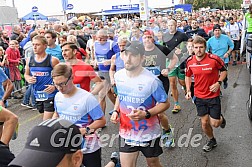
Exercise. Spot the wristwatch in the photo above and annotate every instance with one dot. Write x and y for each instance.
(148, 114)
(220, 82)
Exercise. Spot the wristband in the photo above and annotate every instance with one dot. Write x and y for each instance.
(116, 112)
(220, 82)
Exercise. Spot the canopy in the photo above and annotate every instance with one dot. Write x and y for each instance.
(121, 11)
(34, 16)
(84, 17)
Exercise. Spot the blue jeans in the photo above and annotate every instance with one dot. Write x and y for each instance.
(29, 94)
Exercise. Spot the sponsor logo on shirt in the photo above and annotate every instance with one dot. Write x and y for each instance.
(40, 74)
(207, 69)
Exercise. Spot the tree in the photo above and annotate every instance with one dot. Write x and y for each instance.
(220, 4)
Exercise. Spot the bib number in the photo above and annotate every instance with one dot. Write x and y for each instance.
(41, 96)
(101, 59)
(136, 143)
(138, 125)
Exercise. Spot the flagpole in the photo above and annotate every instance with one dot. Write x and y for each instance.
(128, 12)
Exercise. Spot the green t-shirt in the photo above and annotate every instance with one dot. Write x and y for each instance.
(249, 21)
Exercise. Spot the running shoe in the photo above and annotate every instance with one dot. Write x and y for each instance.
(34, 108)
(27, 105)
(115, 158)
(225, 85)
(210, 145)
(168, 139)
(176, 109)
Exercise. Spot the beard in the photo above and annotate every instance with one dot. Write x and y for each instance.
(200, 54)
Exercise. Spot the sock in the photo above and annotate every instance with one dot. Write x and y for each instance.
(213, 139)
(168, 131)
(177, 103)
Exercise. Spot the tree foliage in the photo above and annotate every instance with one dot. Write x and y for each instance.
(219, 4)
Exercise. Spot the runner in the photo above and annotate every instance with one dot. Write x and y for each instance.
(104, 49)
(141, 98)
(209, 71)
(220, 45)
(174, 41)
(6, 87)
(117, 61)
(41, 151)
(53, 48)
(82, 109)
(83, 73)
(233, 31)
(38, 72)
(10, 121)
(155, 61)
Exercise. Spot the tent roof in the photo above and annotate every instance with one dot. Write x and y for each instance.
(34, 16)
(122, 11)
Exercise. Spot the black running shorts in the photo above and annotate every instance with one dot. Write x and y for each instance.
(152, 150)
(211, 107)
(47, 105)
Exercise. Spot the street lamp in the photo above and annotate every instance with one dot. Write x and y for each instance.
(13, 3)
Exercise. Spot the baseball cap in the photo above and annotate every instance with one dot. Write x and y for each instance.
(135, 47)
(151, 20)
(148, 32)
(48, 142)
(216, 26)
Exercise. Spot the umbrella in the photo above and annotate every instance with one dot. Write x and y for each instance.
(34, 16)
(53, 19)
(84, 18)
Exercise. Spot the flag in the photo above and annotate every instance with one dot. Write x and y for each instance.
(64, 4)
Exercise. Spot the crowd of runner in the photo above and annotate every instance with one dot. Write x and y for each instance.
(136, 64)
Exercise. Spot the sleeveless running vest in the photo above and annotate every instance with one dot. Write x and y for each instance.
(102, 53)
(119, 62)
(42, 71)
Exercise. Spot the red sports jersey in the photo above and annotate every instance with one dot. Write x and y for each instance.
(83, 73)
(206, 73)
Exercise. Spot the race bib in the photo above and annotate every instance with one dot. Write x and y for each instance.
(41, 96)
(136, 143)
(155, 70)
(234, 36)
(101, 59)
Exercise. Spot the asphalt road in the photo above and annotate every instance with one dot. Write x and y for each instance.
(234, 142)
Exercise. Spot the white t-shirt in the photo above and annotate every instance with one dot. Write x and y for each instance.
(81, 109)
(234, 31)
(141, 92)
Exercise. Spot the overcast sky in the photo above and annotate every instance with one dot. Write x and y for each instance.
(54, 7)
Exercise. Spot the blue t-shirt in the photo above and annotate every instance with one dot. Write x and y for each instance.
(56, 52)
(219, 46)
(3, 77)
